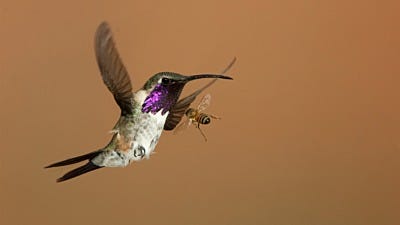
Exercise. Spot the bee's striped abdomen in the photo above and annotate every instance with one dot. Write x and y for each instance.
(203, 118)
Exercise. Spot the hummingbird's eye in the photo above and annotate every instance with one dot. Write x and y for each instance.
(166, 81)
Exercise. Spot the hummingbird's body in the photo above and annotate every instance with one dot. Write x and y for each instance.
(135, 136)
(144, 114)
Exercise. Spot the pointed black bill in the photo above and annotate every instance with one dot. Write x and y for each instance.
(200, 76)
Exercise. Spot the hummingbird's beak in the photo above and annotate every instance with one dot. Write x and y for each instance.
(200, 76)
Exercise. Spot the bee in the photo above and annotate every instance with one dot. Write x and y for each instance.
(197, 117)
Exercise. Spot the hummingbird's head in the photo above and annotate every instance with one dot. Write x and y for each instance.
(164, 89)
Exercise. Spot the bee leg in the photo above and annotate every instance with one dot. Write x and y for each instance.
(214, 117)
(205, 138)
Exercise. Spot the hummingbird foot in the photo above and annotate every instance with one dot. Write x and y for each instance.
(114, 131)
(139, 152)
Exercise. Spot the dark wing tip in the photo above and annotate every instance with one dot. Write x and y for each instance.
(103, 27)
(104, 24)
(102, 37)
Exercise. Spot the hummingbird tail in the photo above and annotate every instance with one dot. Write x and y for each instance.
(79, 171)
(74, 160)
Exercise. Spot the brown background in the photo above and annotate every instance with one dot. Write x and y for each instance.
(310, 129)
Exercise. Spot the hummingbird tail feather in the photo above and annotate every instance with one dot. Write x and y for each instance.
(79, 171)
(74, 160)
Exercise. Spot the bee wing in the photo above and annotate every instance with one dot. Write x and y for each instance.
(183, 126)
(204, 103)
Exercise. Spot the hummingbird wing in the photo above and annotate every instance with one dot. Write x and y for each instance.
(178, 110)
(113, 71)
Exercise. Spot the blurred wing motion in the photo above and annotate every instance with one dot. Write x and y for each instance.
(183, 126)
(229, 66)
(178, 111)
(113, 71)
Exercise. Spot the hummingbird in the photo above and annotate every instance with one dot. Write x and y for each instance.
(144, 113)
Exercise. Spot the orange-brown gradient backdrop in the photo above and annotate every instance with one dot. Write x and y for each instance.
(310, 129)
